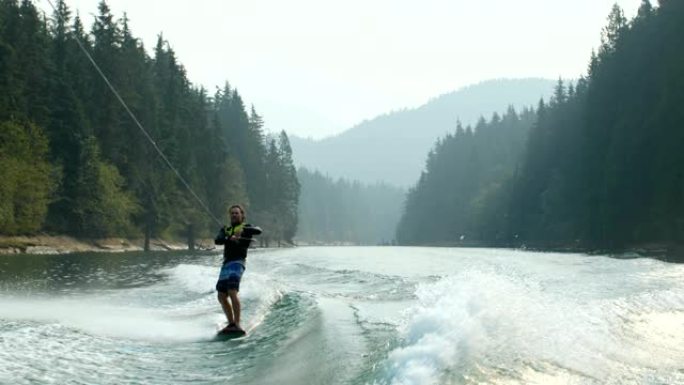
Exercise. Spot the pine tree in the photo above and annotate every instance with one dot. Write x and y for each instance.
(617, 23)
(103, 107)
(645, 10)
(33, 66)
(290, 188)
(67, 121)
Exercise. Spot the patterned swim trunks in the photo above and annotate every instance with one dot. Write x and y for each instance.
(230, 276)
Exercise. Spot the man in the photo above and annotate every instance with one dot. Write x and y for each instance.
(236, 238)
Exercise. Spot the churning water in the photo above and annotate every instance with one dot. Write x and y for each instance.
(347, 315)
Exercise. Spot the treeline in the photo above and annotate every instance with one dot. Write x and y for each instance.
(346, 212)
(603, 166)
(74, 162)
(460, 195)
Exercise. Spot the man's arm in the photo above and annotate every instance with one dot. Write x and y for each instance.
(250, 230)
(221, 237)
(244, 240)
(245, 237)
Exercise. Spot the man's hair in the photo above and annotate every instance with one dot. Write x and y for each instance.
(242, 211)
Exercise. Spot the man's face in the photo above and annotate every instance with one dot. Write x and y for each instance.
(235, 215)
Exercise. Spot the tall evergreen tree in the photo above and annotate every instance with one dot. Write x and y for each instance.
(290, 189)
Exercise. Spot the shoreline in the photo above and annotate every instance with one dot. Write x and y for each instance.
(672, 253)
(63, 244)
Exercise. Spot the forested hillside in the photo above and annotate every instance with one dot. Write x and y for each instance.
(603, 165)
(74, 162)
(460, 196)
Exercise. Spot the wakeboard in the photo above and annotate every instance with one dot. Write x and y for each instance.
(229, 334)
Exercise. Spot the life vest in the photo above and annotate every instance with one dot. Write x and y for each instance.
(231, 230)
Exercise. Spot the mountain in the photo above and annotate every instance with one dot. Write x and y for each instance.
(392, 148)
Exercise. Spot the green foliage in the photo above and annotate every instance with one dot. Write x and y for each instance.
(103, 208)
(105, 179)
(28, 180)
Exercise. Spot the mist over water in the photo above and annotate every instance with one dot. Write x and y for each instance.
(349, 315)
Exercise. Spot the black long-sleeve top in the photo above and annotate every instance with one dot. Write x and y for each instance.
(234, 250)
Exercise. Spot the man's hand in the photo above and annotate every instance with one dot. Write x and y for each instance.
(236, 236)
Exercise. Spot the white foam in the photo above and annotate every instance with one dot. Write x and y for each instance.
(261, 292)
(104, 316)
(98, 318)
(194, 278)
(437, 334)
(477, 321)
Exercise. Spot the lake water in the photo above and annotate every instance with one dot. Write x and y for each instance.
(344, 315)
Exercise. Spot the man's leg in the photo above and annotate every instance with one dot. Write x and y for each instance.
(225, 305)
(233, 294)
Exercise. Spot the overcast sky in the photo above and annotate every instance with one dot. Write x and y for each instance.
(315, 68)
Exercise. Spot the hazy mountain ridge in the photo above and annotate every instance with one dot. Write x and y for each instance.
(393, 147)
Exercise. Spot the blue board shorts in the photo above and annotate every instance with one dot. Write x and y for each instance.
(230, 276)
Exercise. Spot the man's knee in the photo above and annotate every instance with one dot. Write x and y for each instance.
(222, 297)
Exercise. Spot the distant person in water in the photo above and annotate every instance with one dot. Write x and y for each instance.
(237, 237)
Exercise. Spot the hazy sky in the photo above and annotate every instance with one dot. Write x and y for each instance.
(316, 67)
